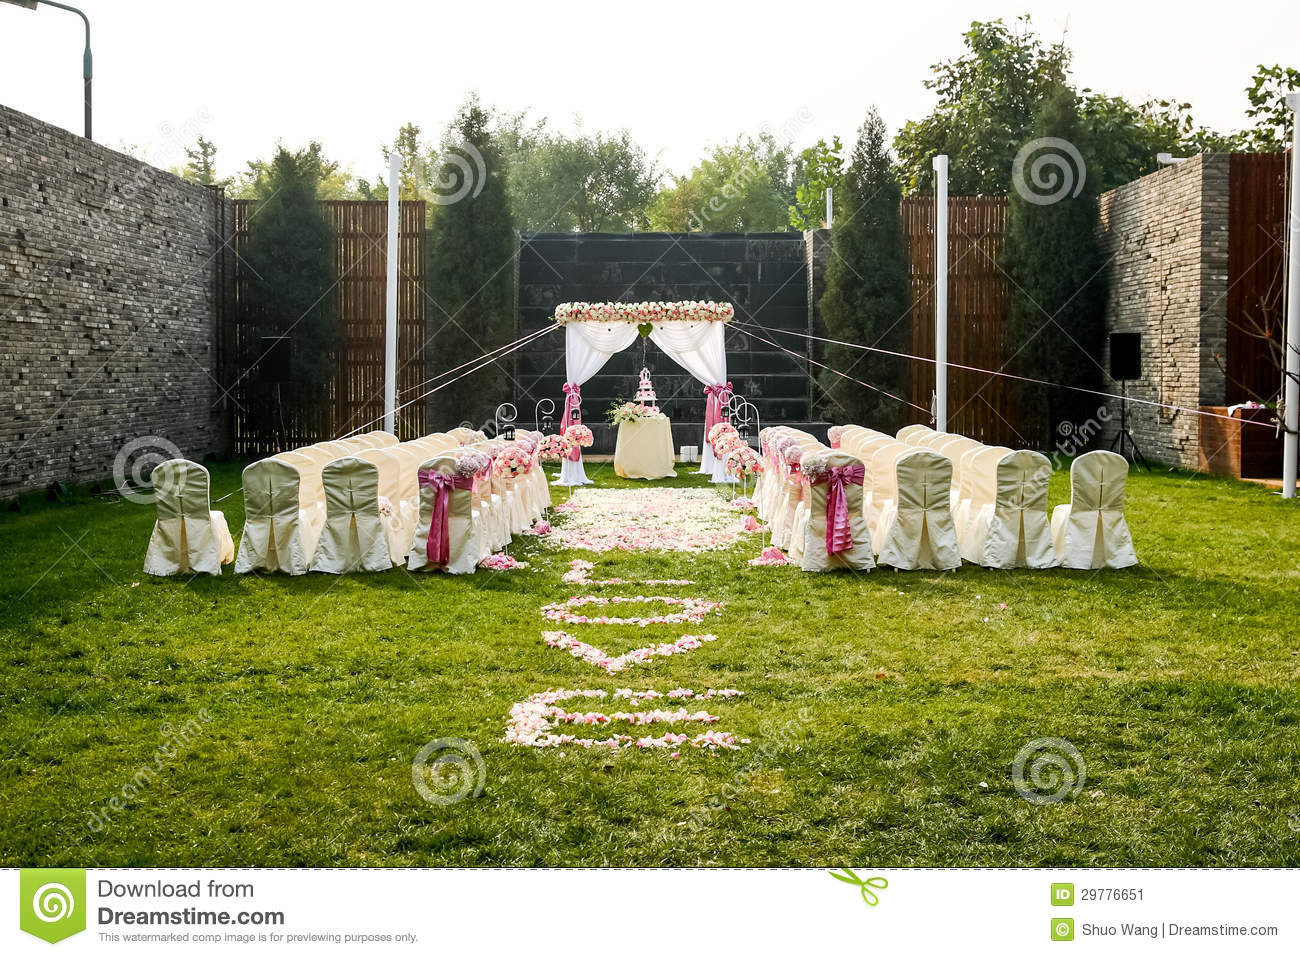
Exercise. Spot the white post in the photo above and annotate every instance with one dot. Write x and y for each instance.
(390, 313)
(941, 293)
(829, 214)
(1292, 361)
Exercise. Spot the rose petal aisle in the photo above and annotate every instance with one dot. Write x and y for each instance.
(651, 519)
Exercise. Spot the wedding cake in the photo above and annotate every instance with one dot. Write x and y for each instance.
(645, 393)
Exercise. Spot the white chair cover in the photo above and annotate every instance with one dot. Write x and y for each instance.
(916, 529)
(466, 549)
(279, 533)
(188, 534)
(1091, 532)
(354, 537)
(815, 557)
(1012, 531)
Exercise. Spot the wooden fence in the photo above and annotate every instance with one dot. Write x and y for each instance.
(356, 396)
(979, 405)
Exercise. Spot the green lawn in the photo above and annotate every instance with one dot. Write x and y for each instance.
(884, 711)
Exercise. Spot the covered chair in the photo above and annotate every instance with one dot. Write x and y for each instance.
(916, 528)
(188, 534)
(1012, 531)
(1090, 532)
(835, 534)
(354, 537)
(446, 535)
(282, 522)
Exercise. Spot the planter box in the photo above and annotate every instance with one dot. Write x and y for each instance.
(1244, 451)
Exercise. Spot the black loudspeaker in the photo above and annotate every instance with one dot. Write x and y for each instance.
(277, 356)
(1125, 356)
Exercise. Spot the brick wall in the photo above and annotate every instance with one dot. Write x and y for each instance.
(1165, 238)
(108, 309)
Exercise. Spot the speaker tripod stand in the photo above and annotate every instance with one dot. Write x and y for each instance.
(1124, 441)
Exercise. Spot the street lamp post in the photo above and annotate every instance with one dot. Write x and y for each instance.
(86, 70)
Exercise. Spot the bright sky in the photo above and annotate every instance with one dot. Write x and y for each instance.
(679, 75)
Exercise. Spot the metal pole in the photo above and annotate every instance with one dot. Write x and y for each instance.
(86, 64)
(829, 213)
(941, 293)
(390, 313)
(1292, 362)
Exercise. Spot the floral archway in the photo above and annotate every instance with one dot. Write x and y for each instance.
(689, 333)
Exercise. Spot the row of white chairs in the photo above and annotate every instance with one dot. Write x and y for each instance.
(354, 504)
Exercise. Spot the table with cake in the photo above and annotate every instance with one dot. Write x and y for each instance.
(644, 448)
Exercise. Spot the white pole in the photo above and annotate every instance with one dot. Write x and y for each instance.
(1292, 362)
(829, 214)
(941, 293)
(390, 313)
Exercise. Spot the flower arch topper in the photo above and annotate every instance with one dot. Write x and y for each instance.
(644, 312)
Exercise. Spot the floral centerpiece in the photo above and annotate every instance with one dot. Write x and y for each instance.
(742, 462)
(644, 312)
(719, 430)
(512, 461)
(554, 447)
(727, 442)
(580, 436)
(632, 412)
(471, 462)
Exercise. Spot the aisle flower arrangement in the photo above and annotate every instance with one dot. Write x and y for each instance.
(726, 443)
(743, 462)
(720, 429)
(693, 610)
(512, 461)
(501, 562)
(643, 312)
(554, 447)
(651, 519)
(632, 412)
(532, 722)
(834, 434)
(470, 462)
(580, 435)
(615, 663)
(769, 557)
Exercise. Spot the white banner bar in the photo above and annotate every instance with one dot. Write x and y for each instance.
(628, 912)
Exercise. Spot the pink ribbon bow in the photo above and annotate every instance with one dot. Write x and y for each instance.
(572, 414)
(438, 547)
(713, 407)
(839, 537)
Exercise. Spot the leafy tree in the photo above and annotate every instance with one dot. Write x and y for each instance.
(597, 182)
(1054, 324)
(332, 181)
(817, 169)
(987, 101)
(290, 278)
(201, 167)
(470, 280)
(868, 290)
(1273, 119)
(747, 186)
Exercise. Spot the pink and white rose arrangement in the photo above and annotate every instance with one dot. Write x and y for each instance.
(580, 435)
(642, 312)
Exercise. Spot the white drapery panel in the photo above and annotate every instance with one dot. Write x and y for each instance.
(698, 347)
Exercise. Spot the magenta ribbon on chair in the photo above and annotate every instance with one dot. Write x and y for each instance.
(839, 535)
(713, 407)
(439, 545)
(572, 404)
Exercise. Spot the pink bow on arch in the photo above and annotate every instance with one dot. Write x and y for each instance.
(839, 536)
(572, 414)
(438, 547)
(713, 408)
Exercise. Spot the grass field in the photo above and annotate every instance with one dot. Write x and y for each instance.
(278, 718)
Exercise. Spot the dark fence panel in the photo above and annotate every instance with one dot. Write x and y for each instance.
(356, 397)
(1257, 209)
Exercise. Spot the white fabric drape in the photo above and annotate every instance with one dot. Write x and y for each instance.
(698, 347)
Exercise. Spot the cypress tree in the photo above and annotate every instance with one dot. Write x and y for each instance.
(1055, 317)
(288, 292)
(470, 274)
(868, 290)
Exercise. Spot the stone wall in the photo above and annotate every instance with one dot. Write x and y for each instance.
(108, 310)
(766, 276)
(1165, 239)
